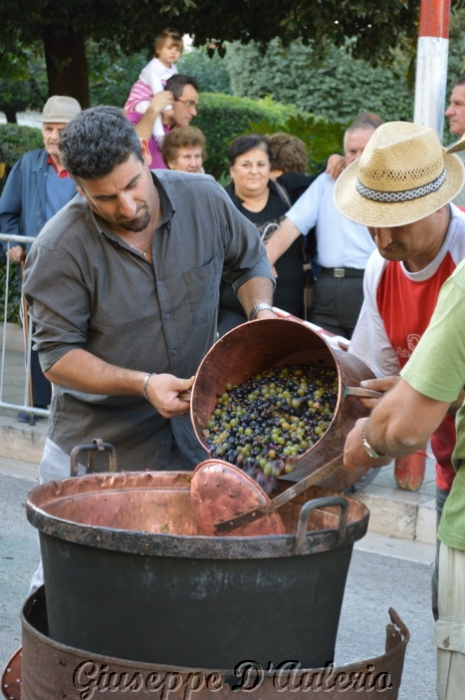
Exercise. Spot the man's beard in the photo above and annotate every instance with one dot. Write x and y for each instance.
(139, 223)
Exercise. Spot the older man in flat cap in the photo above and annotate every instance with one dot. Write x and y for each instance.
(401, 189)
(37, 188)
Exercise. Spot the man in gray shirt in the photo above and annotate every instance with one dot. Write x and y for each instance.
(123, 291)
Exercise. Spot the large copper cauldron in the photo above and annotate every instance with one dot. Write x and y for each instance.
(253, 347)
(127, 573)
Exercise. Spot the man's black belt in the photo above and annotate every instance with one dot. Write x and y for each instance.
(342, 271)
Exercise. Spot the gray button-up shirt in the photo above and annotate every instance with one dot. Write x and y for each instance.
(89, 289)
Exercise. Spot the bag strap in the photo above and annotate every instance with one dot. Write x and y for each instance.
(283, 193)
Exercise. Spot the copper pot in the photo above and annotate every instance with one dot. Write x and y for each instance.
(256, 346)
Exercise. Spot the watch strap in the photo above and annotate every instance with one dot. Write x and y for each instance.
(256, 309)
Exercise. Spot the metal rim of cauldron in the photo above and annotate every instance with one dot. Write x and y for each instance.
(171, 545)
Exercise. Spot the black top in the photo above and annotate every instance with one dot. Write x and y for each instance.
(290, 282)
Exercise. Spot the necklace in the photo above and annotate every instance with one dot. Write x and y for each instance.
(145, 251)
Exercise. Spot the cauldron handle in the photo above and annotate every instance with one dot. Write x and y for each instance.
(97, 445)
(302, 526)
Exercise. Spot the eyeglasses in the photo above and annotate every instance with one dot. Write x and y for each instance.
(188, 103)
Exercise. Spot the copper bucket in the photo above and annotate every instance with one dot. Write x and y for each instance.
(253, 347)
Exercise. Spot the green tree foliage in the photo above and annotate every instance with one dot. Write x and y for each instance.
(64, 26)
(112, 72)
(211, 72)
(337, 87)
(321, 137)
(17, 140)
(23, 81)
(223, 117)
(14, 294)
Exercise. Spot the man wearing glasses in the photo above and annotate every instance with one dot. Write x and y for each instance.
(181, 93)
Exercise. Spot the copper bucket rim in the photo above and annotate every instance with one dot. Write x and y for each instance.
(328, 344)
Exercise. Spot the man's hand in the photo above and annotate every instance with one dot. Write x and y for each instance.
(158, 103)
(163, 391)
(335, 165)
(354, 452)
(161, 100)
(16, 253)
(383, 385)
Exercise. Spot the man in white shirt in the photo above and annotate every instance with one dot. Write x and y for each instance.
(343, 246)
(456, 115)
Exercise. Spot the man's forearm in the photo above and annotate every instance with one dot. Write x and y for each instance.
(82, 371)
(144, 127)
(258, 290)
(403, 420)
(281, 240)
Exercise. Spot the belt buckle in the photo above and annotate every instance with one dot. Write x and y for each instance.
(339, 272)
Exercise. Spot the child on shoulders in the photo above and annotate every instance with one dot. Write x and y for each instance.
(152, 79)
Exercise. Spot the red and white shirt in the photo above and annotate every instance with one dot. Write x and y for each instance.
(396, 311)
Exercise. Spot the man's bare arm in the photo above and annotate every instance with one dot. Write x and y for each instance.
(281, 240)
(255, 291)
(158, 103)
(400, 424)
(82, 371)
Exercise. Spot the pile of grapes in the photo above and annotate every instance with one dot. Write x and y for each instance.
(262, 426)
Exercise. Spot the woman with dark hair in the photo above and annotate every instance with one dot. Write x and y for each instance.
(265, 204)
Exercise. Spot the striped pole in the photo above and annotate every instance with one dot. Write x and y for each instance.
(431, 74)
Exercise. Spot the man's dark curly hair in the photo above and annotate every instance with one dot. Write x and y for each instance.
(96, 141)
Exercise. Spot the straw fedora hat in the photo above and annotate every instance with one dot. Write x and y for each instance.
(403, 175)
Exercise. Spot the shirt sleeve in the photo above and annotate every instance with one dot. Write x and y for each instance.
(11, 202)
(437, 366)
(369, 341)
(59, 327)
(304, 213)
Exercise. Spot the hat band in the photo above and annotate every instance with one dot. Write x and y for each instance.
(402, 195)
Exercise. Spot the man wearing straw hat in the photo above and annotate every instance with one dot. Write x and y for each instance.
(401, 189)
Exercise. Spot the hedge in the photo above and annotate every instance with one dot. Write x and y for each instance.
(223, 117)
(16, 140)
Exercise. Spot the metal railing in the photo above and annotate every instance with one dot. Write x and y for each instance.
(8, 241)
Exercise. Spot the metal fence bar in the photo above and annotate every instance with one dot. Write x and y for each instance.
(6, 241)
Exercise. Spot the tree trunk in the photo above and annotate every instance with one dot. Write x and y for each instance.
(66, 61)
(10, 114)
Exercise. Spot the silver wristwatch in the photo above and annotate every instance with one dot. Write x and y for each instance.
(257, 309)
(368, 448)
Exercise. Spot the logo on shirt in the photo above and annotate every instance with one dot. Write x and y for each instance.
(412, 341)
